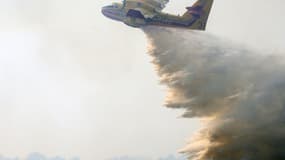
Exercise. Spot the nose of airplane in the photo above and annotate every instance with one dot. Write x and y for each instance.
(108, 12)
(104, 11)
(112, 13)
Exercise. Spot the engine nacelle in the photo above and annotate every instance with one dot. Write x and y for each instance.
(135, 22)
(135, 18)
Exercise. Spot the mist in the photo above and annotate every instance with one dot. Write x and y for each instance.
(238, 93)
(74, 83)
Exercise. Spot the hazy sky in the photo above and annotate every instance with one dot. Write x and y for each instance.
(74, 83)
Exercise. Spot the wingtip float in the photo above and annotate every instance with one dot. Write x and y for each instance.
(140, 13)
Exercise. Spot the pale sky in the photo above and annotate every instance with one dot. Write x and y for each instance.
(74, 83)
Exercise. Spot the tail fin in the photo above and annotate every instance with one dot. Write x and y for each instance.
(198, 14)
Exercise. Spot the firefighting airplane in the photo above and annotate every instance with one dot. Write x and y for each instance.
(139, 13)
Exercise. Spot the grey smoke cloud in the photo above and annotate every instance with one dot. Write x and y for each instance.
(238, 92)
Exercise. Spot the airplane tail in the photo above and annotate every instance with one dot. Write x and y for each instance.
(199, 12)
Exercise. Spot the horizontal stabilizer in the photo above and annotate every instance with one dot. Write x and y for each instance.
(200, 12)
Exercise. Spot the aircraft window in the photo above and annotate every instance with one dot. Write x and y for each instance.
(115, 5)
(110, 6)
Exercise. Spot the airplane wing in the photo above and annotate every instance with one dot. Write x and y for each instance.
(157, 5)
(161, 4)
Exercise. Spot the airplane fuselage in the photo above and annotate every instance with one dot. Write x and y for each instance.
(139, 13)
(135, 18)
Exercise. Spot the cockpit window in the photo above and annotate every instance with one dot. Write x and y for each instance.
(116, 5)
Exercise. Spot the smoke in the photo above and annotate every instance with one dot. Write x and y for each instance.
(239, 94)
